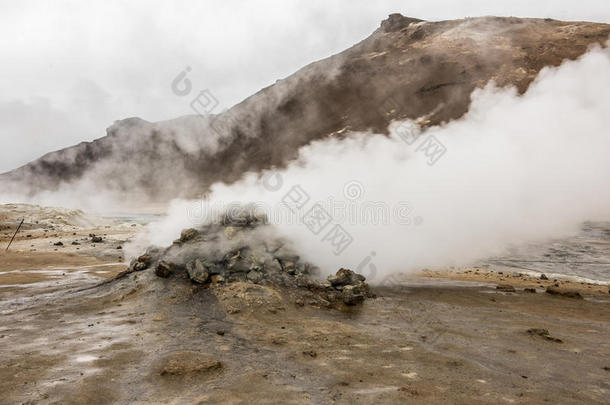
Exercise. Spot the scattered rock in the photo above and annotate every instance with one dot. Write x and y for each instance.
(505, 288)
(142, 262)
(544, 333)
(188, 362)
(543, 277)
(197, 271)
(310, 353)
(75, 243)
(58, 244)
(530, 290)
(164, 269)
(554, 290)
(188, 234)
(352, 295)
(97, 239)
(345, 277)
(254, 276)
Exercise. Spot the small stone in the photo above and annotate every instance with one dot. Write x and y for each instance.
(188, 234)
(543, 277)
(345, 277)
(143, 262)
(289, 267)
(58, 244)
(352, 295)
(538, 331)
(197, 271)
(188, 362)
(254, 276)
(505, 288)
(164, 269)
(530, 290)
(554, 290)
(544, 333)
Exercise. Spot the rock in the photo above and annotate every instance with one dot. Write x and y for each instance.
(505, 288)
(352, 295)
(188, 234)
(544, 333)
(538, 331)
(254, 276)
(197, 271)
(97, 239)
(164, 269)
(233, 250)
(188, 362)
(289, 267)
(543, 277)
(345, 277)
(553, 290)
(396, 22)
(142, 262)
(75, 243)
(58, 244)
(530, 290)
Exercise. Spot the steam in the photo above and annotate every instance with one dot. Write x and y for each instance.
(517, 169)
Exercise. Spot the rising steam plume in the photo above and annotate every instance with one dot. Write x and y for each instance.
(407, 69)
(517, 169)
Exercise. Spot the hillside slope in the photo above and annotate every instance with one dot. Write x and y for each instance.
(406, 69)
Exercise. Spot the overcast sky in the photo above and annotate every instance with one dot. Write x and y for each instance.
(70, 68)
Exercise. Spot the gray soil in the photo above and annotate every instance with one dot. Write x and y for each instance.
(143, 339)
(72, 334)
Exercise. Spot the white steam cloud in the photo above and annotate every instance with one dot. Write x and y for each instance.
(517, 169)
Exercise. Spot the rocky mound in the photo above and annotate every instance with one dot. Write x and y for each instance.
(242, 248)
(407, 68)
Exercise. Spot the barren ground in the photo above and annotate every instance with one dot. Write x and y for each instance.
(440, 337)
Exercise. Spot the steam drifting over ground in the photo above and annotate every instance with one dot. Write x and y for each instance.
(516, 169)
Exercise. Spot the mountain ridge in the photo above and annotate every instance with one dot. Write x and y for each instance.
(407, 68)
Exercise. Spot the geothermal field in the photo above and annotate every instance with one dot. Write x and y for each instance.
(422, 217)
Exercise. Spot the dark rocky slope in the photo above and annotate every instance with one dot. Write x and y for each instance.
(406, 68)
